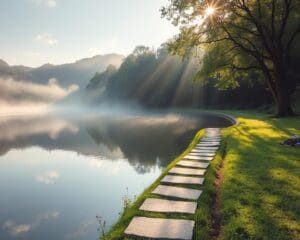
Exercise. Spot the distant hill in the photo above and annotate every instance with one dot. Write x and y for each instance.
(79, 72)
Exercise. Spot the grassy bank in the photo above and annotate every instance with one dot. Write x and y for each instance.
(116, 232)
(258, 197)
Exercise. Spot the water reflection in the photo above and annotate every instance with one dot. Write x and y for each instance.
(144, 140)
(57, 172)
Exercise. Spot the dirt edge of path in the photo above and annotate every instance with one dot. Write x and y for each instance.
(216, 206)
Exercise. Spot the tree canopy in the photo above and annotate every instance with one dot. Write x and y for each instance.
(157, 79)
(241, 38)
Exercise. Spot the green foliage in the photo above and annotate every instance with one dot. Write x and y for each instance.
(100, 80)
(242, 38)
(157, 79)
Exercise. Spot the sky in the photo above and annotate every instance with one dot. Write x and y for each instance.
(35, 32)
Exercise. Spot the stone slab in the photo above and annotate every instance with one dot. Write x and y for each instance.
(182, 180)
(209, 141)
(159, 228)
(208, 144)
(178, 192)
(213, 135)
(168, 206)
(213, 151)
(192, 164)
(212, 138)
(208, 133)
(187, 171)
(199, 158)
(202, 154)
(205, 148)
(212, 129)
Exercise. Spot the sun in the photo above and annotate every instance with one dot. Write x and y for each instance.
(209, 11)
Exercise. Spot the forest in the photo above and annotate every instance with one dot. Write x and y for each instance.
(157, 79)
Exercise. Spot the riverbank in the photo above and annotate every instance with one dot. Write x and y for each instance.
(251, 186)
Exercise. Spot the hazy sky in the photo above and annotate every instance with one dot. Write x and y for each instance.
(34, 32)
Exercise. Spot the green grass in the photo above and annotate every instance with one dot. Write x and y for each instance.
(260, 195)
(261, 188)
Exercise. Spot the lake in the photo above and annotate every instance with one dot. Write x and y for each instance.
(58, 172)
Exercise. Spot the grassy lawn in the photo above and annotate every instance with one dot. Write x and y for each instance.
(259, 195)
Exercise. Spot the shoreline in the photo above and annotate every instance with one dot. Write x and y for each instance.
(117, 230)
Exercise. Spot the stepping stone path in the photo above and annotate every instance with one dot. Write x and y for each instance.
(161, 228)
(191, 157)
(210, 144)
(182, 180)
(206, 148)
(211, 140)
(168, 206)
(187, 172)
(194, 164)
(203, 151)
(177, 192)
(202, 154)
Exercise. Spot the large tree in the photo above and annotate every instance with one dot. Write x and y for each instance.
(242, 37)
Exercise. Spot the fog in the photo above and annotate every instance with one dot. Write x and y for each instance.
(21, 97)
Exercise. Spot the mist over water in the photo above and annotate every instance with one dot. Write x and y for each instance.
(61, 169)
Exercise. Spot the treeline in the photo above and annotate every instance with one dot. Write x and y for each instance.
(156, 79)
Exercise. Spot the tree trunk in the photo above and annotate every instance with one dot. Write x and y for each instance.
(284, 107)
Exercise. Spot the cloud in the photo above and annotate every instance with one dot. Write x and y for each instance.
(51, 3)
(48, 177)
(15, 229)
(15, 91)
(47, 38)
(17, 96)
(46, 3)
(12, 129)
(82, 229)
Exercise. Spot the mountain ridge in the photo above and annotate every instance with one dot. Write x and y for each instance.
(78, 72)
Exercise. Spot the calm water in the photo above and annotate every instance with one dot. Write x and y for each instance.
(58, 172)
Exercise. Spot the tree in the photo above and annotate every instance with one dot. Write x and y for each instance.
(245, 37)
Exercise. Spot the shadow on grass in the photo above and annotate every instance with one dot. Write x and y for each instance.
(261, 190)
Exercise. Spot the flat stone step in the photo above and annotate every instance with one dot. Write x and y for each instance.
(211, 139)
(198, 158)
(206, 148)
(210, 133)
(192, 164)
(207, 144)
(159, 228)
(202, 154)
(182, 180)
(187, 171)
(212, 136)
(178, 192)
(168, 206)
(213, 151)
(212, 129)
